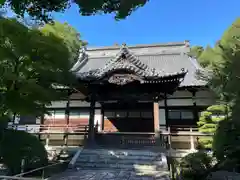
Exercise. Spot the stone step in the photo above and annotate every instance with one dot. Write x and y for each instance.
(120, 152)
(137, 160)
(144, 167)
(120, 157)
(122, 161)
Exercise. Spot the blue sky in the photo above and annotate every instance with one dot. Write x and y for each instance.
(202, 22)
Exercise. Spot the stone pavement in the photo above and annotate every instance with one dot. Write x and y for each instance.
(75, 174)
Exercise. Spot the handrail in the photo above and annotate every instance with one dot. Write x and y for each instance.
(41, 168)
(75, 157)
(17, 178)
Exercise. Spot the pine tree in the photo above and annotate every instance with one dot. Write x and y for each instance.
(208, 122)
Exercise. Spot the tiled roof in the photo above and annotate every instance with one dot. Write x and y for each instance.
(171, 63)
(151, 63)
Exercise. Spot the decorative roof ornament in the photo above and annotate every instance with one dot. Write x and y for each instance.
(82, 57)
(83, 49)
(187, 43)
(121, 79)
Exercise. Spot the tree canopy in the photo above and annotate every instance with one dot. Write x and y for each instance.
(31, 62)
(226, 68)
(196, 51)
(224, 64)
(223, 61)
(68, 34)
(42, 9)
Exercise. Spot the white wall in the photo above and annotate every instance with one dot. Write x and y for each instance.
(77, 96)
(202, 98)
(73, 103)
(58, 104)
(98, 118)
(162, 116)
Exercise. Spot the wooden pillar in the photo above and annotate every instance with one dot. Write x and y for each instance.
(166, 109)
(156, 115)
(195, 111)
(67, 113)
(102, 118)
(192, 145)
(67, 110)
(42, 118)
(47, 139)
(91, 119)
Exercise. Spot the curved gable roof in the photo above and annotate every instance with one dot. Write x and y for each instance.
(156, 60)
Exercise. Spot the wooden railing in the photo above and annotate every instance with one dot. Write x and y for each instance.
(51, 129)
(176, 137)
(138, 140)
(182, 134)
(57, 134)
(168, 135)
(178, 127)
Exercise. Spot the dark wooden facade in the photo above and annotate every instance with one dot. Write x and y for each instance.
(127, 81)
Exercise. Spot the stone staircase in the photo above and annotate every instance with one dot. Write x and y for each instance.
(137, 160)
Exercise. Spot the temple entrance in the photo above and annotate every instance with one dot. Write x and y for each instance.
(128, 117)
(126, 80)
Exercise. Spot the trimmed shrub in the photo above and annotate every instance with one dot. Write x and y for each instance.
(17, 145)
(208, 123)
(195, 166)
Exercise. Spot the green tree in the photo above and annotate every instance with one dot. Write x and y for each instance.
(207, 57)
(226, 75)
(223, 61)
(208, 122)
(42, 9)
(196, 51)
(68, 34)
(31, 62)
(231, 32)
(225, 82)
(226, 141)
